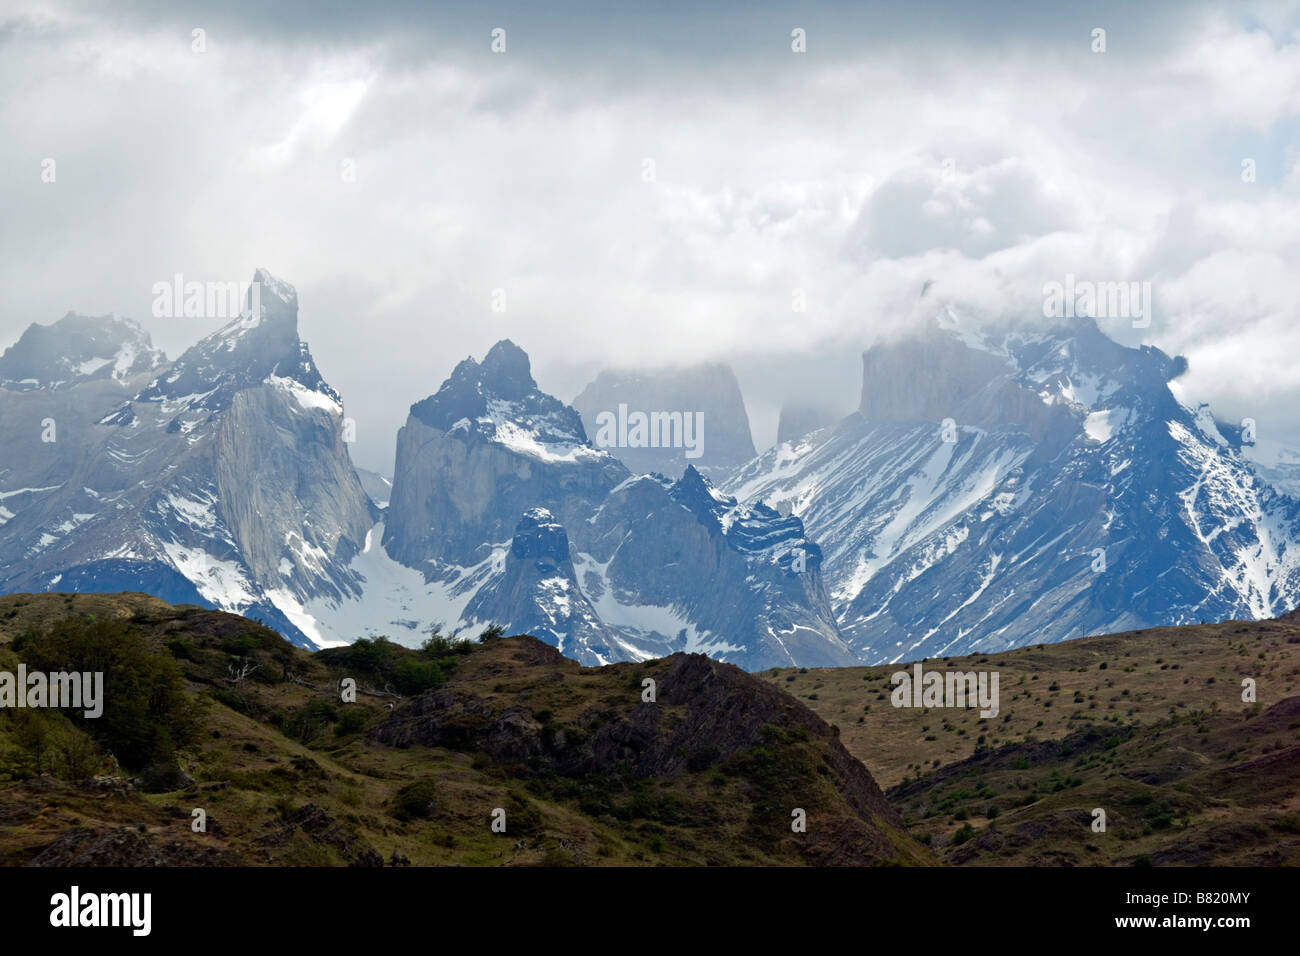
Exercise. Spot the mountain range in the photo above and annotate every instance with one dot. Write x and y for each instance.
(994, 488)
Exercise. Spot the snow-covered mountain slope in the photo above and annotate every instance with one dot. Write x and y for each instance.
(220, 479)
(999, 490)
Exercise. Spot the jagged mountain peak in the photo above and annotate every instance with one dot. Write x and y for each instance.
(225, 482)
(276, 288)
(78, 348)
(751, 528)
(497, 400)
(259, 346)
(695, 493)
(507, 371)
(268, 320)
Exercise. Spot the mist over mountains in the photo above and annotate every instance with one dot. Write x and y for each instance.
(992, 489)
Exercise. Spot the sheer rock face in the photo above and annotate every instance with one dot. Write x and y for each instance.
(709, 393)
(895, 390)
(220, 479)
(745, 581)
(488, 446)
(456, 495)
(305, 515)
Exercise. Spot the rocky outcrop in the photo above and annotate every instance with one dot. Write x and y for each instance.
(128, 846)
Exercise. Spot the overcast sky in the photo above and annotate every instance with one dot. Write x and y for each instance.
(983, 146)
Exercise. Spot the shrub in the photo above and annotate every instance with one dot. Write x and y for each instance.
(162, 777)
(382, 664)
(416, 801)
(351, 721)
(146, 712)
(46, 741)
(440, 646)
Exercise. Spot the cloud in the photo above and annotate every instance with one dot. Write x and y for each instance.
(774, 176)
(975, 212)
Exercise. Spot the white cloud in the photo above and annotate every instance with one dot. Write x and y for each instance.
(525, 172)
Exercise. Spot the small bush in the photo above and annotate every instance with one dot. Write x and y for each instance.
(416, 800)
(351, 721)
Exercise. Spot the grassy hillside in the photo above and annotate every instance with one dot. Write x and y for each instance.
(210, 711)
(1149, 726)
(215, 712)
